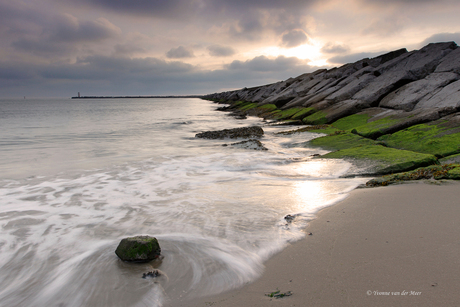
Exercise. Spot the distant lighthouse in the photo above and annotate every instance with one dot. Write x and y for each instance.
(78, 94)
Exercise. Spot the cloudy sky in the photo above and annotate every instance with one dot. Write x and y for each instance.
(56, 48)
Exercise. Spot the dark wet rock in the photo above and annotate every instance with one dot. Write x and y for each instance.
(250, 144)
(289, 218)
(138, 249)
(244, 132)
(152, 274)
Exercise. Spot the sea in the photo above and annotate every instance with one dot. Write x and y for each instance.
(78, 175)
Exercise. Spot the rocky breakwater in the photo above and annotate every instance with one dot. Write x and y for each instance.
(398, 111)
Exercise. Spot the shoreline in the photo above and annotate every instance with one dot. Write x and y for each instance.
(384, 246)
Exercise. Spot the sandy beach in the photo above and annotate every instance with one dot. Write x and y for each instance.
(387, 246)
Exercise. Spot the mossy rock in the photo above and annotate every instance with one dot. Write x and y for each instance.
(385, 160)
(446, 171)
(352, 121)
(340, 140)
(326, 129)
(303, 112)
(376, 128)
(450, 159)
(317, 118)
(138, 249)
(426, 138)
(286, 114)
(247, 106)
(267, 107)
(453, 173)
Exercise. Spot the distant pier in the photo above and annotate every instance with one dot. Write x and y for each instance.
(129, 97)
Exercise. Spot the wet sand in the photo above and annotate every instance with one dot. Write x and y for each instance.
(387, 246)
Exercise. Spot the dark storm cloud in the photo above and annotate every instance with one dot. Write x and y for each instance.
(64, 33)
(68, 28)
(128, 49)
(221, 51)
(159, 8)
(34, 31)
(294, 38)
(246, 20)
(335, 48)
(15, 71)
(177, 8)
(249, 26)
(441, 37)
(134, 65)
(179, 53)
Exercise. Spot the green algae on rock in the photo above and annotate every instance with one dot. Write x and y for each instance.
(383, 159)
(138, 249)
(450, 159)
(352, 121)
(436, 138)
(340, 140)
(326, 129)
(317, 118)
(438, 172)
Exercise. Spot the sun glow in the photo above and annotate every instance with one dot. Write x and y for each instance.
(310, 52)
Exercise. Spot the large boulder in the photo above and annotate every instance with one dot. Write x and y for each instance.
(138, 249)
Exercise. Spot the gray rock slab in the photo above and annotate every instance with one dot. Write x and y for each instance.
(344, 108)
(406, 97)
(447, 97)
(450, 63)
(355, 85)
(320, 96)
(382, 85)
(281, 98)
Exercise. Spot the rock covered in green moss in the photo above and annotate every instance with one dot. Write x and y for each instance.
(340, 140)
(385, 160)
(440, 138)
(138, 249)
(437, 172)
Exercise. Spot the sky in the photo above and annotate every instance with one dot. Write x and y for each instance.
(57, 48)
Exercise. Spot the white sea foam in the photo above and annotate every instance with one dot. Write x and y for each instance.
(218, 212)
